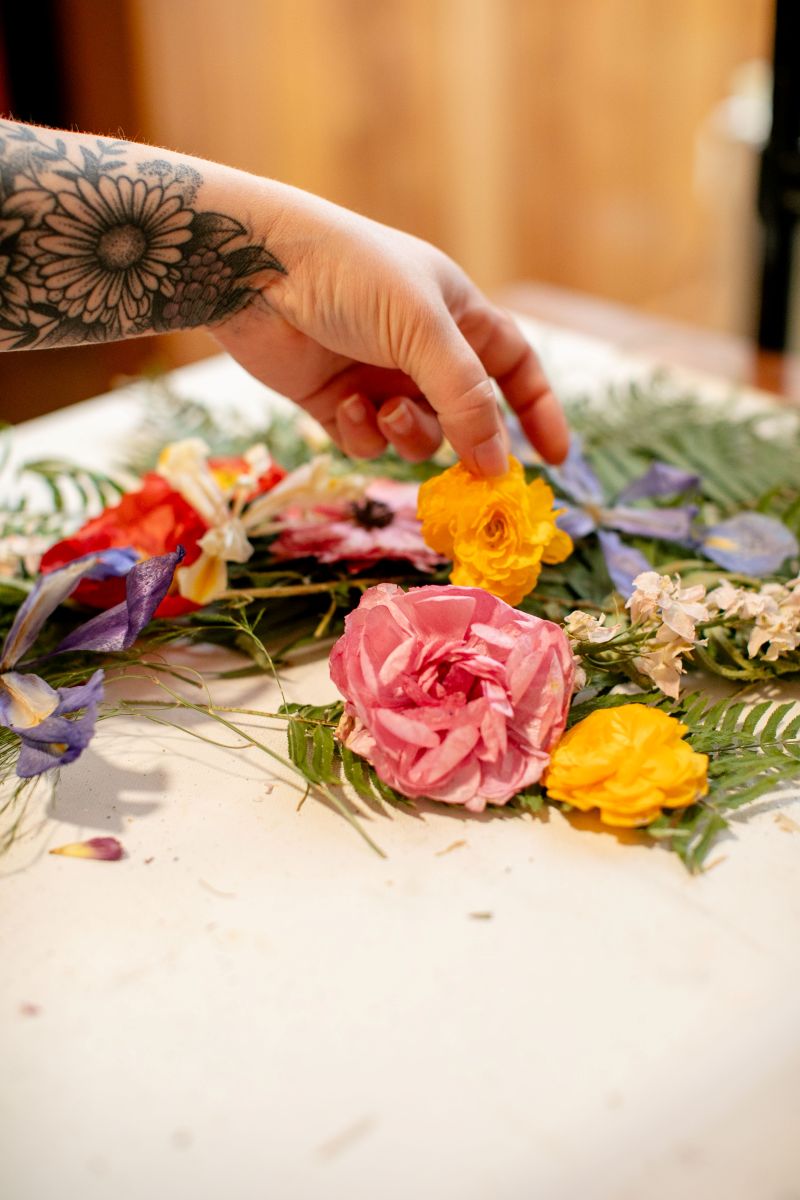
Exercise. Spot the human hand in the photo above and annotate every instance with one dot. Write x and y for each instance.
(383, 339)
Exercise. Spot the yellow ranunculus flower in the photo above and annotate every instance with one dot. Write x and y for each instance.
(497, 532)
(630, 762)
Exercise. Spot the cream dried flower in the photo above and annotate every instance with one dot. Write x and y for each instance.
(659, 598)
(662, 661)
(580, 626)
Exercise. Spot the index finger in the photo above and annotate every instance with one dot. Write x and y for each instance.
(506, 354)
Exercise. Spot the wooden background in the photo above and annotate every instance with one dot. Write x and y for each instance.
(554, 140)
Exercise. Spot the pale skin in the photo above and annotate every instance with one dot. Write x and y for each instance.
(377, 334)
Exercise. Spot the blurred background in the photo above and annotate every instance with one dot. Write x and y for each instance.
(610, 147)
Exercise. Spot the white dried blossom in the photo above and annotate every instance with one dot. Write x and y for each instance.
(662, 661)
(185, 467)
(580, 626)
(781, 633)
(310, 486)
(659, 598)
(774, 610)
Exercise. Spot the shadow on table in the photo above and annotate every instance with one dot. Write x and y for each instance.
(93, 796)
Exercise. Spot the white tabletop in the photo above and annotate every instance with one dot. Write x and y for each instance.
(253, 1004)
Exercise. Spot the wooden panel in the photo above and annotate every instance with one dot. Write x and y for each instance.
(544, 138)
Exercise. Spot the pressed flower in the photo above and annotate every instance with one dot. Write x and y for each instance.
(662, 660)
(103, 849)
(382, 525)
(750, 543)
(55, 725)
(591, 513)
(669, 613)
(630, 762)
(583, 627)
(774, 611)
(497, 532)
(186, 467)
(660, 598)
(151, 521)
(451, 693)
(310, 486)
(190, 500)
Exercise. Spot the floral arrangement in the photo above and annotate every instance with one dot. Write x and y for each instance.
(507, 644)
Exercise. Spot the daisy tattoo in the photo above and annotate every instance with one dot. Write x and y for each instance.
(108, 247)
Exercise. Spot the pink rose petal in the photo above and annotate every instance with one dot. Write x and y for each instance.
(452, 694)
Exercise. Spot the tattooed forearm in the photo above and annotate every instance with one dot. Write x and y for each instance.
(97, 242)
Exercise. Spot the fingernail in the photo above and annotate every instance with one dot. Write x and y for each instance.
(491, 457)
(355, 409)
(400, 419)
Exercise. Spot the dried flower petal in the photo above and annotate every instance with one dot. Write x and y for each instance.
(451, 694)
(660, 479)
(104, 849)
(497, 532)
(629, 762)
(749, 543)
(623, 562)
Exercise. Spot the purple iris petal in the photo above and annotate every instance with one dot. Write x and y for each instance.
(50, 590)
(623, 562)
(577, 522)
(576, 477)
(670, 524)
(112, 562)
(60, 738)
(118, 628)
(750, 543)
(660, 479)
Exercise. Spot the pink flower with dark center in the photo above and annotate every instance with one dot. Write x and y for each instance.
(382, 525)
(450, 693)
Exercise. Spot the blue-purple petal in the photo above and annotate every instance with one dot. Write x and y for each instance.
(669, 524)
(83, 694)
(577, 522)
(52, 589)
(623, 562)
(118, 628)
(61, 738)
(749, 543)
(114, 562)
(660, 479)
(576, 478)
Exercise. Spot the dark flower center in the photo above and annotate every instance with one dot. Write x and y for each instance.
(119, 248)
(372, 514)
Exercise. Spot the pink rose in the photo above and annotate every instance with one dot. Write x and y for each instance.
(451, 693)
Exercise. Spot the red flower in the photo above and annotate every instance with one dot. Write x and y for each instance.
(153, 520)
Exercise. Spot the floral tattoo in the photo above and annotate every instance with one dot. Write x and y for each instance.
(88, 253)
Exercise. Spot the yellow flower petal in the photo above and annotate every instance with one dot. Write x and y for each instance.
(630, 762)
(497, 532)
(204, 580)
